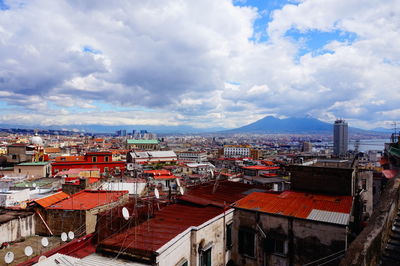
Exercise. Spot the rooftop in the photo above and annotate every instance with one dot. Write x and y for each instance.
(52, 199)
(323, 208)
(142, 141)
(88, 199)
(34, 164)
(145, 239)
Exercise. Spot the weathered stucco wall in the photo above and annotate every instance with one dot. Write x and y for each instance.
(367, 248)
(16, 229)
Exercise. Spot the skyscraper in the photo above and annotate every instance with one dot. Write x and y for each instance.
(340, 137)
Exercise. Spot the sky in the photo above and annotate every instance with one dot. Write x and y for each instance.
(199, 63)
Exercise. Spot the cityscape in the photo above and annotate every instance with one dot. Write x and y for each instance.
(199, 133)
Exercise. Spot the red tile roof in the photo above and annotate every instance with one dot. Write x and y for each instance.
(160, 174)
(50, 200)
(88, 199)
(151, 235)
(295, 204)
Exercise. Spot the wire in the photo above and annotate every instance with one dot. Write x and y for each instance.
(331, 260)
(324, 258)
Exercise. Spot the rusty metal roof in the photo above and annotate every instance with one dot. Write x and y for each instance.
(145, 239)
(88, 199)
(220, 194)
(52, 199)
(324, 208)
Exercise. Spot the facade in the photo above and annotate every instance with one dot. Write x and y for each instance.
(13, 197)
(78, 212)
(340, 138)
(236, 151)
(33, 169)
(291, 228)
(150, 157)
(16, 225)
(192, 156)
(100, 160)
(143, 144)
(19, 152)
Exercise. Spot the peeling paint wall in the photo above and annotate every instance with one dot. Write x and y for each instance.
(16, 229)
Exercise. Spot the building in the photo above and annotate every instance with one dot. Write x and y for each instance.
(306, 146)
(20, 152)
(192, 156)
(340, 138)
(143, 144)
(236, 151)
(13, 197)
(33, 169)
(291, 228)
(100, 160)
(78, 212)
(198, 168)
(150, 157)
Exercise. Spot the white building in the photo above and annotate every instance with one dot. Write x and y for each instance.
(151, 157)
(236, 151)
(13, 197)
(192, 156)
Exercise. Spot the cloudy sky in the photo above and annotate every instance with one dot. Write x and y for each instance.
(201, 63)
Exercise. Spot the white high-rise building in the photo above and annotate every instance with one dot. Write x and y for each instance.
(340, 137)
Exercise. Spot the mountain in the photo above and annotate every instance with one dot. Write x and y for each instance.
(305, 125)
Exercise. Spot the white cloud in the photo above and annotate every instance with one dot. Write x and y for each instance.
(194, 61)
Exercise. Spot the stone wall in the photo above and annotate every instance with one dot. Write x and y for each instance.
(367, 248)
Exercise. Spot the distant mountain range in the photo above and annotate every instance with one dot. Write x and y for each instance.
(304, 125)
(266, 125)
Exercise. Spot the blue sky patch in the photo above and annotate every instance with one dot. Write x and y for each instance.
(3, 5)
(89, 49)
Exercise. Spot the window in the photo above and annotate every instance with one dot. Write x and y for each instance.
(106, 169)
(106, 158)
(246, 242)
(279, 246)
(19, 170)
(229, 236)
(94, 159)
(276, 244)
(14, 156)
(182, 262)
(364, 184)
(205, 257)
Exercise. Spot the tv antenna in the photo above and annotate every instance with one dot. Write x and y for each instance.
(9, 257)
(45, 242)
(125, 213)
(28, 251)
(71, 235)
(64, 237)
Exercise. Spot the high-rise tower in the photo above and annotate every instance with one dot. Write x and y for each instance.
(340, 137)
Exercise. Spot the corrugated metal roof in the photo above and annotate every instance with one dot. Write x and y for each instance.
(50, 200)
(146, 238)
(96, 260)
(296, 204)
(34, 164)
(329, 217)
(88, 199)
(58, 260)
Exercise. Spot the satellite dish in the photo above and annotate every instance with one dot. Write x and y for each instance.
(156, 193)
(64, 236)
(9, 257)
(71, 235)
(28, 251)
(178, 182)
(42, 258)
(34, 185)
(26, 185)
(125, 213)
(45, 242)
(181, 190)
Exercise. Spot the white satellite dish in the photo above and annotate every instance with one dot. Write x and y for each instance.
(125, 213)
(45, 242)
(156, 193)
(178, 182)
(34, 185)
(9, 257)
(28, 251)
(42, 258)
(64, 236)
(71, 235)
(181, 190)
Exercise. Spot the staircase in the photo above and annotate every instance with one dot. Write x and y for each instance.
(391, 254)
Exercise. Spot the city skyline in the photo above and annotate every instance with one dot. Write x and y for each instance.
(208, 64)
